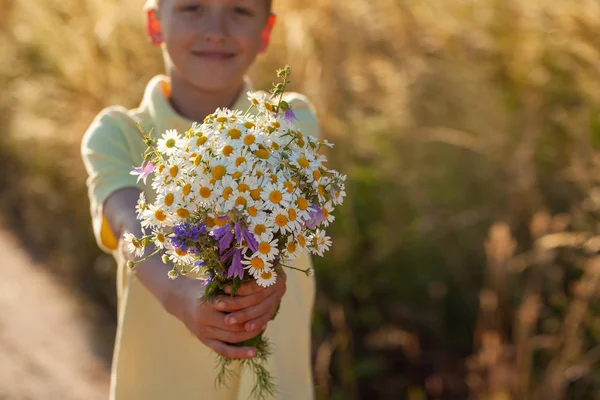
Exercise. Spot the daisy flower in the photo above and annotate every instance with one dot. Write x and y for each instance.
(320, 243)
(267, 247)
(156, 216)
(275, 195)
(170, 143)
(256, 265)
(133, 245)
(280, 220)
(292, 249)
(327, 210)
(266, 278)
(160, 239)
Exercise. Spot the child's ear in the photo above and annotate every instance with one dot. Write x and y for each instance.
(266, 33)
(153, 27)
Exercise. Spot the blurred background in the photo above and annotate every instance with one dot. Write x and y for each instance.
(466, 257)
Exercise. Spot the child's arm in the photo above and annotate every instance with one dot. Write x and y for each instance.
(250, 309)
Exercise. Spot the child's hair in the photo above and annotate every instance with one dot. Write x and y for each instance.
(151, 4)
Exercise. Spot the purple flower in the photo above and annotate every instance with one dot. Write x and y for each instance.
(250, 240)
(236, 268)
(186, 237)
(143, 171)
(225, 241)
(316, 217)
(238, 233)
(290, 117)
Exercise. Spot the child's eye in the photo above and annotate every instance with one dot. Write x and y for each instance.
(191, 8)
(243, 11)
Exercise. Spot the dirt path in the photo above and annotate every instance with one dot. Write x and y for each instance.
(44, 352)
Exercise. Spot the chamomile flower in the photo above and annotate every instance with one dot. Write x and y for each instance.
(255, 265)
(170, 143)
(155, 216)
(275, 195)
(261, 224)
(267, 247)
(319, 242)
(266, 278)
(327, 210)
(239, 200)
(179, 256)
(133, 245)
(292, 249)
(141, 205)
(160, 239)
(294, 219)
(225, 187)
(280, 221)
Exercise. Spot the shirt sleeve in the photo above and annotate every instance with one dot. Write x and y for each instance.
(108, 161)
(306, 116)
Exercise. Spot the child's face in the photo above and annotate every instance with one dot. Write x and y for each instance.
(210, 43)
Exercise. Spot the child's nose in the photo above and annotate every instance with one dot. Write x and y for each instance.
(214, 27)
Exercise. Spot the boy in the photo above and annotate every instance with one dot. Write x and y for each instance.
(166, 336)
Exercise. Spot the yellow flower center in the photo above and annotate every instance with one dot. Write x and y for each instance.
(262, 153)
(235, 133)
(160, 237)
(303, 162)
(249, 139)
(221, 221)
(266, 275)
(219, 172)
(249, 125)
(255, 194)
(276, 124)
(275, 197)
(325, 213)
(302, 203)
(264, 247)
(183, 213)
(291, 247)
(170, 143)
(268, 106)
(205, 192)
(275, 146)
(187, 189)
(160, 215)
(321, 190)
(300, 142)
(252, 211)
(209, 222)
(227, 192)
(273, 178)
(257, 263)
(221, 119)
(201, 140)
(169, 198)
(316, 174)
(240, 201)
(180, 252)
(292, 214)
(239, 161)
(173, 171)
(301, 240)
(281, 220)
(289, 186)
(161, 168)
(227, 150)
(243, 187)
(236, 175)
(259, 229)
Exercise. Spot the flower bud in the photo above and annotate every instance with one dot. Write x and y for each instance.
(284, 105)
(130, 264)
(173, 274)
(165, 259)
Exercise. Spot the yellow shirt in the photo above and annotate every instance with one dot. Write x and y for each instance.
(155, 356)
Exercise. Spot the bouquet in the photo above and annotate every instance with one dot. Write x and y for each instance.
(237, 198)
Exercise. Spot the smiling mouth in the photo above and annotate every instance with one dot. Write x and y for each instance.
(214, 55)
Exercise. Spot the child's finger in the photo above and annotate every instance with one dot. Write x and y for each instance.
(253, 312)
(230, 304)
(228, 351)
(227, 336)
(246, 289)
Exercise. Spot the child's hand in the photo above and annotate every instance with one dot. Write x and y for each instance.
(253, 305)
(208, 321)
